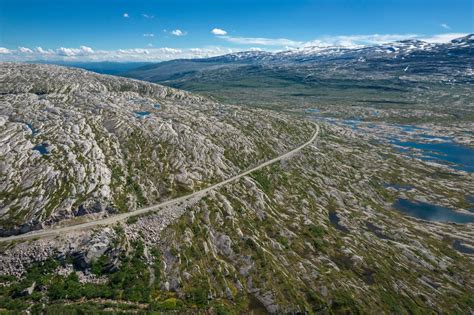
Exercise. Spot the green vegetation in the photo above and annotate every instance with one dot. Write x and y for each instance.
(262, 179)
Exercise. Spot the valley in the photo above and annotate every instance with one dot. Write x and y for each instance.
(316, 181)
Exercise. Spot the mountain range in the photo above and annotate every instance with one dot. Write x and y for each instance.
(408, 56)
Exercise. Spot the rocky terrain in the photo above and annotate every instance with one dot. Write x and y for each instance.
(75, 143)
(317, 232)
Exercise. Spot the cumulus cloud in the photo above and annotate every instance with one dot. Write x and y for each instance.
(148, 35)
(445, 26)
(84, 53)
(86, 49)
(218, 32)
(178, 32)
(125, 15)
(148, 16)
(43, 51)
(70, 52)
(25, 50)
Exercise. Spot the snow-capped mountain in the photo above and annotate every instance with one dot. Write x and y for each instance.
(442, 61)
(394, 49)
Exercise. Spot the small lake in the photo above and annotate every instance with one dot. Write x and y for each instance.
(41, 148)
(457, 245)
(141, 114)
(430, 212)
(458, 156)
(433, 148)
(34, 131)
(409, 128)
(157, 106)
(470, 199)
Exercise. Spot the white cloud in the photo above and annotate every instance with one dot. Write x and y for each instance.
(343, 41)
(445, 26)
(261, 41)
(178, 32)
(148, 35)
(86, 50)
(84, 53)
(148, 16)
(43, 51)
(218, 32)
(25, 50)
(355, 41)
(125, 15)
(442, 38)
(347, 41)
(71, 52)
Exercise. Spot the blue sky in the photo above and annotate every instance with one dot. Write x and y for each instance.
(159, 29)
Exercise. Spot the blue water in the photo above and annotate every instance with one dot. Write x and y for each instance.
(409, 128)
(312, 110)
(430, 212)
(457, 245)
(41, 148)
(34, 131)
(142, 114)
(446, 152)
(353, 123)
(470, 199)
(157, 106)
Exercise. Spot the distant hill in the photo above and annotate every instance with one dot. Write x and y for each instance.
(394, 74)
(420, 57)
(105, 67)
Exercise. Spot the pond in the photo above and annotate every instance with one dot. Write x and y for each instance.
(41, 148)
(141, 114)
(34, 131)
(457, 156)
(470, 199)
(457, 245)
(409, 128)
(430, 212)
(416, 140)
(157, 106)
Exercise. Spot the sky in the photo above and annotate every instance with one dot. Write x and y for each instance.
(154, 30)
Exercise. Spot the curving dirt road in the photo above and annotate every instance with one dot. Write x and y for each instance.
(123, 216)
